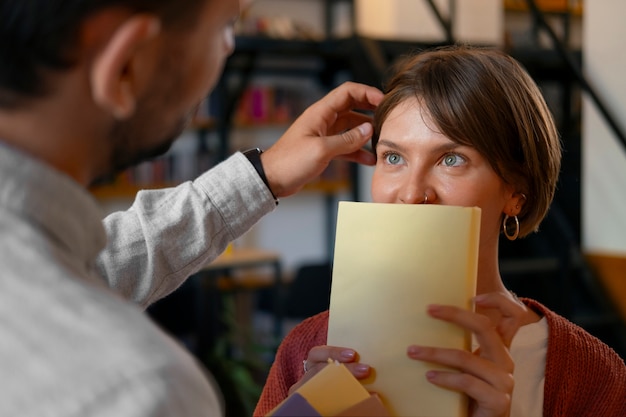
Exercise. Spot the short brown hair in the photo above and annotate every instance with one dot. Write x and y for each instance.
(484, 98)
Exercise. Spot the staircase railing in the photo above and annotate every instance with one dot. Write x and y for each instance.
(577, 72)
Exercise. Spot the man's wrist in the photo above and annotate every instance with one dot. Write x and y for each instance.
(254, 156)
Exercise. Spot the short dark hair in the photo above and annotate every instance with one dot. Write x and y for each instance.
(39, 35)
(483, 98)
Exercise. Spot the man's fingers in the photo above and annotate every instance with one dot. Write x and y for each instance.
(349, 96)
(329, 129)
(347, 121)
(361, 156)
(349, 145)
(358, 136)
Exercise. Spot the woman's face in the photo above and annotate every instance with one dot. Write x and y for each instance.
(414, 160)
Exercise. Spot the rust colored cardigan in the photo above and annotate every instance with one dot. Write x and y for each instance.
(583, 376)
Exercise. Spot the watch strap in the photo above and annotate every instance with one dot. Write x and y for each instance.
(254, 156)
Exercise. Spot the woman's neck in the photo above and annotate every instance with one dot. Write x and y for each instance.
(490, 281)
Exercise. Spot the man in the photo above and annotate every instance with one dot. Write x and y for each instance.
(89, 87)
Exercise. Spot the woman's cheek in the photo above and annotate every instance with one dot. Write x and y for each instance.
(382, 192)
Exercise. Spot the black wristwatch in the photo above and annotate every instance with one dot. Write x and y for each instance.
(254, 156)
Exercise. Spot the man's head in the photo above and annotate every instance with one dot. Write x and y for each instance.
(126, 75)
(42, 35)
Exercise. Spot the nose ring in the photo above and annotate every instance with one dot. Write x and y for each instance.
(425, 199)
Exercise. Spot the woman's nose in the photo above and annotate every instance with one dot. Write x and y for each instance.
(415, 199)
(413, 192)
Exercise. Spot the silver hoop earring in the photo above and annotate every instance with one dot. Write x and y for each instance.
(508, 226)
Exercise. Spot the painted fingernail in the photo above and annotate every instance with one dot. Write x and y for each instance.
(479, 298)
(347, 354)
(362, 368)
(434, 309)
(414, 350)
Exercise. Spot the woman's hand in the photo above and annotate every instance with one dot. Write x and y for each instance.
(486, 375)
(319, 356)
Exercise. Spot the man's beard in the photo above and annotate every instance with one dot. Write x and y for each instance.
(126, 152)
(148, 134)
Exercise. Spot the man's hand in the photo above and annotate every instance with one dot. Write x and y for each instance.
(329, 129)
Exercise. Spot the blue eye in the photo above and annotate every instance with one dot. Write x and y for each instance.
(452, 160)
(393, 158)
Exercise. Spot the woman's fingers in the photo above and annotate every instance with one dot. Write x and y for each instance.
(487, 400)
(488, 384)
(487, 375)
(320, 356)
(490, 341)
(473, 369)
(512, 312)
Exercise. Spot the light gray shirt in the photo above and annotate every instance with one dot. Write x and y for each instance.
(70, 346)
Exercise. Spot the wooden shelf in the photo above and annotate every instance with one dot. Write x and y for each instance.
(548, 6)
(204, 123)
(610, 270)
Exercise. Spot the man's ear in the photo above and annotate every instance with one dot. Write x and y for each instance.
(115, 72)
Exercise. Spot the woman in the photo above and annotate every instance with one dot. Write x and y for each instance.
(469, 127)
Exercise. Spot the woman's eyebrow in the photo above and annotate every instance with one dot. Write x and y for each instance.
(390, 144)
(443, 148)
(447, 147)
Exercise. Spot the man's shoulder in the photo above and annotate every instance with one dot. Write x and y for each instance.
(84, 352)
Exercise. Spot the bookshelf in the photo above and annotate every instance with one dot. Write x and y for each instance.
(574, 7)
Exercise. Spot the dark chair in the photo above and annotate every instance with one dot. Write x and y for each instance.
(309, 292)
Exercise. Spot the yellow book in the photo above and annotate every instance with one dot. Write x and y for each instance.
(391, 261)
(332, 390)
(329, 392)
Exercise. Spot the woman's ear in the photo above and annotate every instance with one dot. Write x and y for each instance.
(515, 204)
(116, 71)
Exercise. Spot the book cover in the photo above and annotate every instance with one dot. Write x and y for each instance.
(295, 405)
(391, 261)
(328, 393)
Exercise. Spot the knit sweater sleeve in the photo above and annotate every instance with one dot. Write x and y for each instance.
(584, 376)
(287, 367)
